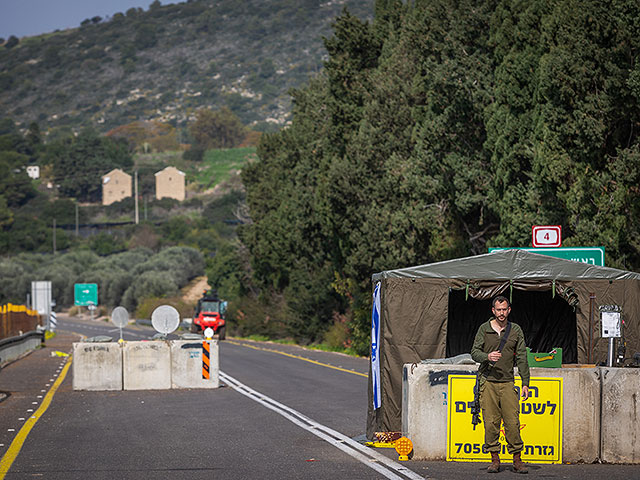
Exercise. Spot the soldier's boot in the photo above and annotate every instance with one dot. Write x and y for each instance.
(518, 466)
(495, 463)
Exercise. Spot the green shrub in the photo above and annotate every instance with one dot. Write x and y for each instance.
(104, 244)
(78, 261)
(176, 228)
(62, 280)
(148, 284)
(14, 283)
(250, 316)
(225, 273)
(337, 335)
(126, 260)
(194, 154)
(148, 305)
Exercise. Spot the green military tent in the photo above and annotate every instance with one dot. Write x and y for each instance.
(433, 311)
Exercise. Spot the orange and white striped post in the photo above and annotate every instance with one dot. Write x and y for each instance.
(205, 359)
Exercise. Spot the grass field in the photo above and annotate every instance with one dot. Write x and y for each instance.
(218, 164)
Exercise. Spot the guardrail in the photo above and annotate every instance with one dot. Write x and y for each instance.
(13, 347)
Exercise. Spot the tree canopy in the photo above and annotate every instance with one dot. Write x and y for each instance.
(441, 129)
(219, 129)
(79, 163)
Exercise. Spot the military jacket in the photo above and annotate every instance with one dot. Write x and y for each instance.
(514, 352)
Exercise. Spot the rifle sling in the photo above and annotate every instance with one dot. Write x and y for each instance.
(507, 330)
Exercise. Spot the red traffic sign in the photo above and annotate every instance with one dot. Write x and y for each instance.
(546, 236)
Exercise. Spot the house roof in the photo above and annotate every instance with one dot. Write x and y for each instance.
(509, 265)
(116, 171)
(170, 170)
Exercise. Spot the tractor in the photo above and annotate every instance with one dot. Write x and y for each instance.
(209, 312)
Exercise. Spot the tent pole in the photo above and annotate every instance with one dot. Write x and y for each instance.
(592, 298)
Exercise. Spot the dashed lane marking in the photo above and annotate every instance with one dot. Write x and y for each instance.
(16, 445)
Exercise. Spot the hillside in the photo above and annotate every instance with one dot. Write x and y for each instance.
(165, 62)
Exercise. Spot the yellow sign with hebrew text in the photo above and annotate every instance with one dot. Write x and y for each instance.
(540, 422)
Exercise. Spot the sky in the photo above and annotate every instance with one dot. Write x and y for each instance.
(33, 17)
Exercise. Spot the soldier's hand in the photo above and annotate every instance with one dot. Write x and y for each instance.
(495, 356)
(525, 393)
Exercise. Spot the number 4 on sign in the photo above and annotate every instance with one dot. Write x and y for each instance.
(546, 236)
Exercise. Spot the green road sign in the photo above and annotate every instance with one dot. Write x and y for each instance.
(590, 255)
(86, 294)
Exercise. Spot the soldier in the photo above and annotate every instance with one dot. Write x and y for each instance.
(499, 344)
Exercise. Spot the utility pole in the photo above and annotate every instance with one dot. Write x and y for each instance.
(54, 236)
(77, 229)
(136, 202)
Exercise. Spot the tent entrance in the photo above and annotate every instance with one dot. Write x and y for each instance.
(547, 322)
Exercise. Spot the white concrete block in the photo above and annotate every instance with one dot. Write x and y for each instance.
(147, 365)
(97, 366)
(620, 415)
(186, 364)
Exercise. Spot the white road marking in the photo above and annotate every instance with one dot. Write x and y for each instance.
(368, 456)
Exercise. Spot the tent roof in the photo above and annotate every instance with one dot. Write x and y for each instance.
(509, 265)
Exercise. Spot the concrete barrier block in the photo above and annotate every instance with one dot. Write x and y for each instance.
(580, 412)
(620, 415)
(425, 397)
(97, 366)
(424, 407)
(186, 364)
(147, 365)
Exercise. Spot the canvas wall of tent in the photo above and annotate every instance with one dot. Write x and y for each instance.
(434, 311)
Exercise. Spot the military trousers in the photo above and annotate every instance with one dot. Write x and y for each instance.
(500, 403)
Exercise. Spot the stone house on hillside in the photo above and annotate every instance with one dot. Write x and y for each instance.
(33, 171)
(170, 183)
(116, 185)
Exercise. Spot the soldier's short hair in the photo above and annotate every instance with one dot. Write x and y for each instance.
(500, 299)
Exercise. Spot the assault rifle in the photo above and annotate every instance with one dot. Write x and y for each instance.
(475, 408)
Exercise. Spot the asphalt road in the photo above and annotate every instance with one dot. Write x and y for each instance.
(283, 412)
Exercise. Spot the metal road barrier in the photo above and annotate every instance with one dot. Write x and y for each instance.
(13, 347)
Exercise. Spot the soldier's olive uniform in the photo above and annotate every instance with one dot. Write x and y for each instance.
(499, 399)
